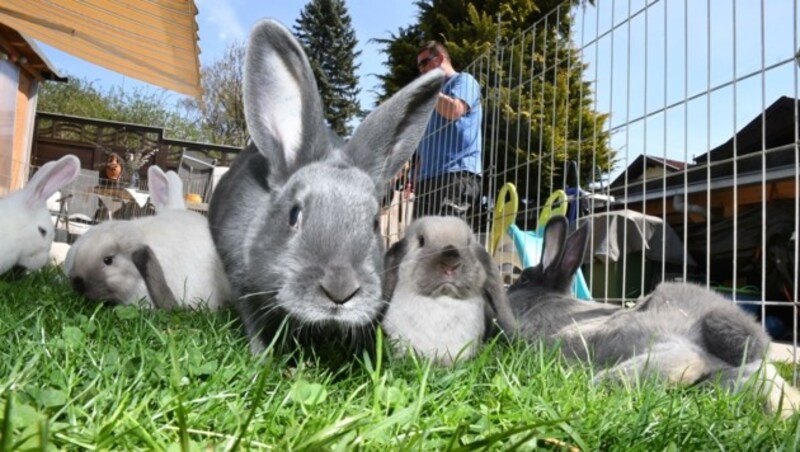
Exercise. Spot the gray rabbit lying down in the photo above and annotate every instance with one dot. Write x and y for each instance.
(295, 219)
(681, 333)
(446, 294)
(167, 260)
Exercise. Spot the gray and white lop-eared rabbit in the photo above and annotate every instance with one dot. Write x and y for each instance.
(168, 260)
(681, 333)
(296, 217)
(446, 293)
(26, 227)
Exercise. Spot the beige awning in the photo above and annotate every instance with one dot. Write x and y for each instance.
(150, 40)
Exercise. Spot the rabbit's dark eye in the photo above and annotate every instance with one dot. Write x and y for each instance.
(421, 241)
(376, 224)
(42, 231)
(108, 260)
(295, 216)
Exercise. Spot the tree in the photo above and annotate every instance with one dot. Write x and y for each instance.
(81, 97)
(533, 77)
(326, 33)
(220, 111)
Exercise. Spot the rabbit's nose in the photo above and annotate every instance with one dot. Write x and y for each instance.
(339, 284)
(450, 259)
(78, 285)
(450, 252)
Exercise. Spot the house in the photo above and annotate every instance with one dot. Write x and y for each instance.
(735, 207)
(23, 67)
(764, 164)
(647, 167)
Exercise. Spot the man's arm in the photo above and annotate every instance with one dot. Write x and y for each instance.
(450, 107)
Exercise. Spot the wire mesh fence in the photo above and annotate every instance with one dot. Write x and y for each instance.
(671, 127)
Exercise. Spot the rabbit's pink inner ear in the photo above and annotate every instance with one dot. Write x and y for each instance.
(281, 100)
(50, 178)
(158, 186)
(554, 237)
(574, 251)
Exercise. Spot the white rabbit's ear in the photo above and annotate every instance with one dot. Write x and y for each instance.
(50, 178)
(282, 106)
(175, 196)
(158, 186)
(555, 234)
(166, 190)
(387, 137)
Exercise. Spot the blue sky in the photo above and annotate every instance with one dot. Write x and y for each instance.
(223, 21)
(666, 75)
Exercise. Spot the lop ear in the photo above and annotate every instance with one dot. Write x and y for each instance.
(387, 137)
(149, 267)
(51, 177)
(283, 110)
(391, 266)
(494, 292)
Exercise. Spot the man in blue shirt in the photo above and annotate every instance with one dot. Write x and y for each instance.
(449, 155)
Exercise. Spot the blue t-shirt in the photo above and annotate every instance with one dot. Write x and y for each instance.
(450, 146)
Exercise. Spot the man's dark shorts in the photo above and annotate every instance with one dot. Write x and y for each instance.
(453, 194)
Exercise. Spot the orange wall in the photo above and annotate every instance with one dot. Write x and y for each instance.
(14, 162)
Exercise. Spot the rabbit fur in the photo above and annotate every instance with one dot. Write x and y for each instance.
(165, 261)
(446, 293)
(166, 189)
(296, 217)
(681, 333)
(26, 227)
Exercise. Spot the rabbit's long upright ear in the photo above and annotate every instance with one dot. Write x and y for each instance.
(387, 137)
(149, 267)
(175, 191)
(282, 106)
(391, 267)
(555, 234)
(50, 178)
(158, 187)
(574, 250)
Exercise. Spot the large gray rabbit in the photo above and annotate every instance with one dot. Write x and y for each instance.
(446, 293)
(681, 333)
(295, 219)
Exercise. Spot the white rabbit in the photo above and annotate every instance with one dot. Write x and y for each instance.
(446, 294)
(167, 260)
(681, 333)
(58, 252)
(296, 217)
(26, 227)
(166, 189)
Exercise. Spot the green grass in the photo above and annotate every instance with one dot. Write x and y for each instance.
(76, 375)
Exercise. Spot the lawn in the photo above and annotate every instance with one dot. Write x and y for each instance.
(76, 375)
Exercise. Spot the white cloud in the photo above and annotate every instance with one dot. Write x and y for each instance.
(221, 14)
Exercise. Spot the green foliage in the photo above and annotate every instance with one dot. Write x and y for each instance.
(79, 375)
(220, 111)
(82, 97)
(538, 112)
(325, 30)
